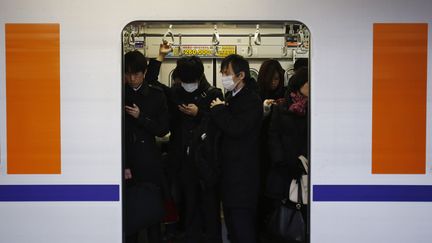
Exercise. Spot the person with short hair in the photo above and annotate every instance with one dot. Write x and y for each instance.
(146, 116)
(239, 120)
(190, 127)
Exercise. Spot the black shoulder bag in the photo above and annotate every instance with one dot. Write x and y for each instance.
(286, 222)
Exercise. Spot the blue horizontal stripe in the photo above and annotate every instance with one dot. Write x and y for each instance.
(372, 193)
(65, 193)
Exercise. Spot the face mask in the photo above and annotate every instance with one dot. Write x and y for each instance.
(189, 87)
(228, 82)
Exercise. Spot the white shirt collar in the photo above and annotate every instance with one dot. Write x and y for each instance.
(137, 88)
(236, 92)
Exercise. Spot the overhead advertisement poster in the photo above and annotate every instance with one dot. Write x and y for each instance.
(204, 50)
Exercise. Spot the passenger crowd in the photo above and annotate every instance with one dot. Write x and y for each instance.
(230, 156)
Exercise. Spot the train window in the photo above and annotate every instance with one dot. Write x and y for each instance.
(278, 54)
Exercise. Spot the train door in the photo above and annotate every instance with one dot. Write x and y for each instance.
(283, 41)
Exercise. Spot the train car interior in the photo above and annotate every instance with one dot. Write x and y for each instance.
(284, 41)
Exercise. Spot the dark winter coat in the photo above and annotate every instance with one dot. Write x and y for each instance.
(184, 128)
(288, 139)
(142, 155)
(265, 159)
(240, 122)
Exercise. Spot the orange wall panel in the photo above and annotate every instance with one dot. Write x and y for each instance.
(399, 98)
(33, 98)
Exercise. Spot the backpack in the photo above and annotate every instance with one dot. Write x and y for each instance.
(205, 148)
(206, 144)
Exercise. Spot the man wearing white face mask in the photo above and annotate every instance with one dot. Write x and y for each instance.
(239, 119)
(190, 115)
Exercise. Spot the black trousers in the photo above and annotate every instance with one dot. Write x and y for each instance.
(240, 224)
(153, 235)
(202, 213)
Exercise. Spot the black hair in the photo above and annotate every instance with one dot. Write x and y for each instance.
(135, 62)
(301, 62)
(189, 69)
(266, 73)
(238, 64)
(300, 77)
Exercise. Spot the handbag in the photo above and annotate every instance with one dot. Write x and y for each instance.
(300, 182)
(143, 207)
(286, 223)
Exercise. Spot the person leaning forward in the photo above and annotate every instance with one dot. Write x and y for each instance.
(190, 121)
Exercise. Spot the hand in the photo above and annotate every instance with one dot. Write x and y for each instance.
(269, 102)
(128, 174)
(164, 49)
(133, 111)
(191, 109)
(216, 102)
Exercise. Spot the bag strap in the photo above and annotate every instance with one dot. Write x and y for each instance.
(204, 94)
(299, 204)
(299, 191)
(299, 194)
(305, 163)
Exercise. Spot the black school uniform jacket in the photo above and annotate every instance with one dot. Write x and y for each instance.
(240, 122)
(183, 127)
(142, 155)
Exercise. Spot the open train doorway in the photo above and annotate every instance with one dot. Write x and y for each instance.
(166, 196)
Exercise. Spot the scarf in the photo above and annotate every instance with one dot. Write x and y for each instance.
(299, 103)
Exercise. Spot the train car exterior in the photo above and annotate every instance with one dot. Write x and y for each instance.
(60, 114)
